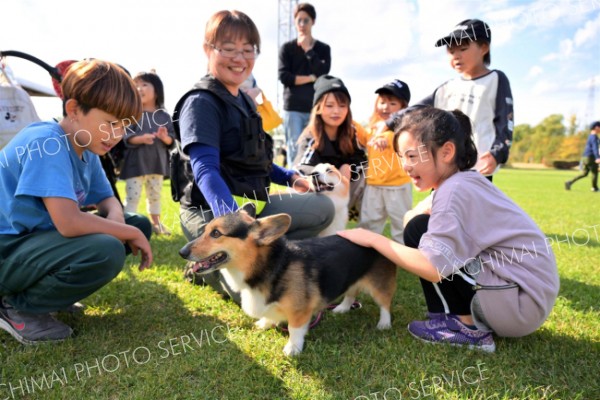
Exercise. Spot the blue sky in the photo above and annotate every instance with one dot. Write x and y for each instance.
(550, 50)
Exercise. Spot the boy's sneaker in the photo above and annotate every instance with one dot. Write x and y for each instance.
(30, 328)
(451, 331)
(568, 185)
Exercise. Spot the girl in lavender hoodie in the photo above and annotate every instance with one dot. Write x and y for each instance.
(483, 263)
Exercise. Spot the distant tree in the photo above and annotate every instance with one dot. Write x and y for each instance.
(547, 141)
(571, 147)
(550, 126)
(572, 129)
(522, 140)
(521, 131)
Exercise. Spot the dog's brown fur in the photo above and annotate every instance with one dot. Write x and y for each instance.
(283, 280)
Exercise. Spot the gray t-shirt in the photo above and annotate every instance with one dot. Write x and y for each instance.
(472, 220)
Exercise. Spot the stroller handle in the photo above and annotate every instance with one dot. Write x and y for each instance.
(54, 73)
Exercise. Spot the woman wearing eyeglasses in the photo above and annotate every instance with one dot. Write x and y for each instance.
(230, 155)
(301, 62)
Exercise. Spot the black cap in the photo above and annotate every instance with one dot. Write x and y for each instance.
(396, 88)
(469, 29)
(326, 84)
(595, 125)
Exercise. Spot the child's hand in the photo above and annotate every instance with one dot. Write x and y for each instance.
(379, 129)
(147, 138)
(378, 143)
(162, 133)
(359, 236)
(486, 164)
(141, 244)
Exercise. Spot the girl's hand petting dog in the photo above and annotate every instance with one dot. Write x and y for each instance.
(360, 236)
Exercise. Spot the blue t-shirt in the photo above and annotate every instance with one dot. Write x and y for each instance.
(41, 162)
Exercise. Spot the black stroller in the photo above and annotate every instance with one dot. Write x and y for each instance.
(110, 161)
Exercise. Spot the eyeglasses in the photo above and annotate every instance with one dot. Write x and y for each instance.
(248, 54)
(303, 21)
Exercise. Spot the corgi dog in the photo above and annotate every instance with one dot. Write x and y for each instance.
(334, 184)
(281, 280)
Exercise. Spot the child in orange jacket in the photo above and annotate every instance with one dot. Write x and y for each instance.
(388, 193)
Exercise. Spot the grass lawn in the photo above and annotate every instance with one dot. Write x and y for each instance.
(151, 335)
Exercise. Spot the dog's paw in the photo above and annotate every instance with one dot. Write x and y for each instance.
(291, 350)
(345, 305)
(264, 323)
(341, 308)
(381, 325)
(385, 319)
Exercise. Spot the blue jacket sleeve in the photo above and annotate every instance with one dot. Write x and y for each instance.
(205, 162)
(280, 175)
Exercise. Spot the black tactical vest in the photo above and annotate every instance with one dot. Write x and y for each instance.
(246, 171)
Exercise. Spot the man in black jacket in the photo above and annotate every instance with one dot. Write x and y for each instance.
(301, 62)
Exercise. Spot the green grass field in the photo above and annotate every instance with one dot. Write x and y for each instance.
(151, 335)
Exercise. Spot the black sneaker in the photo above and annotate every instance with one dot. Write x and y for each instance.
(594, 190)
(568, 185)
(30, 328)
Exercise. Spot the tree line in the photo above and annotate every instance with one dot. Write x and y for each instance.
(550, 142)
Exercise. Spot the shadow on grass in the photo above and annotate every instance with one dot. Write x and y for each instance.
(582, 296)
(580, 237)
(138, 340)
(544, 365)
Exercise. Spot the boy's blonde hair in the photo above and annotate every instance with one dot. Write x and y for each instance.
(102, 85)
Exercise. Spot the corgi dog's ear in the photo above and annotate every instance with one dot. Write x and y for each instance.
(250, 208)
(268, 229)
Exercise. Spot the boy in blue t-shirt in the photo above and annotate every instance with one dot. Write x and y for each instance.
(52, 254)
